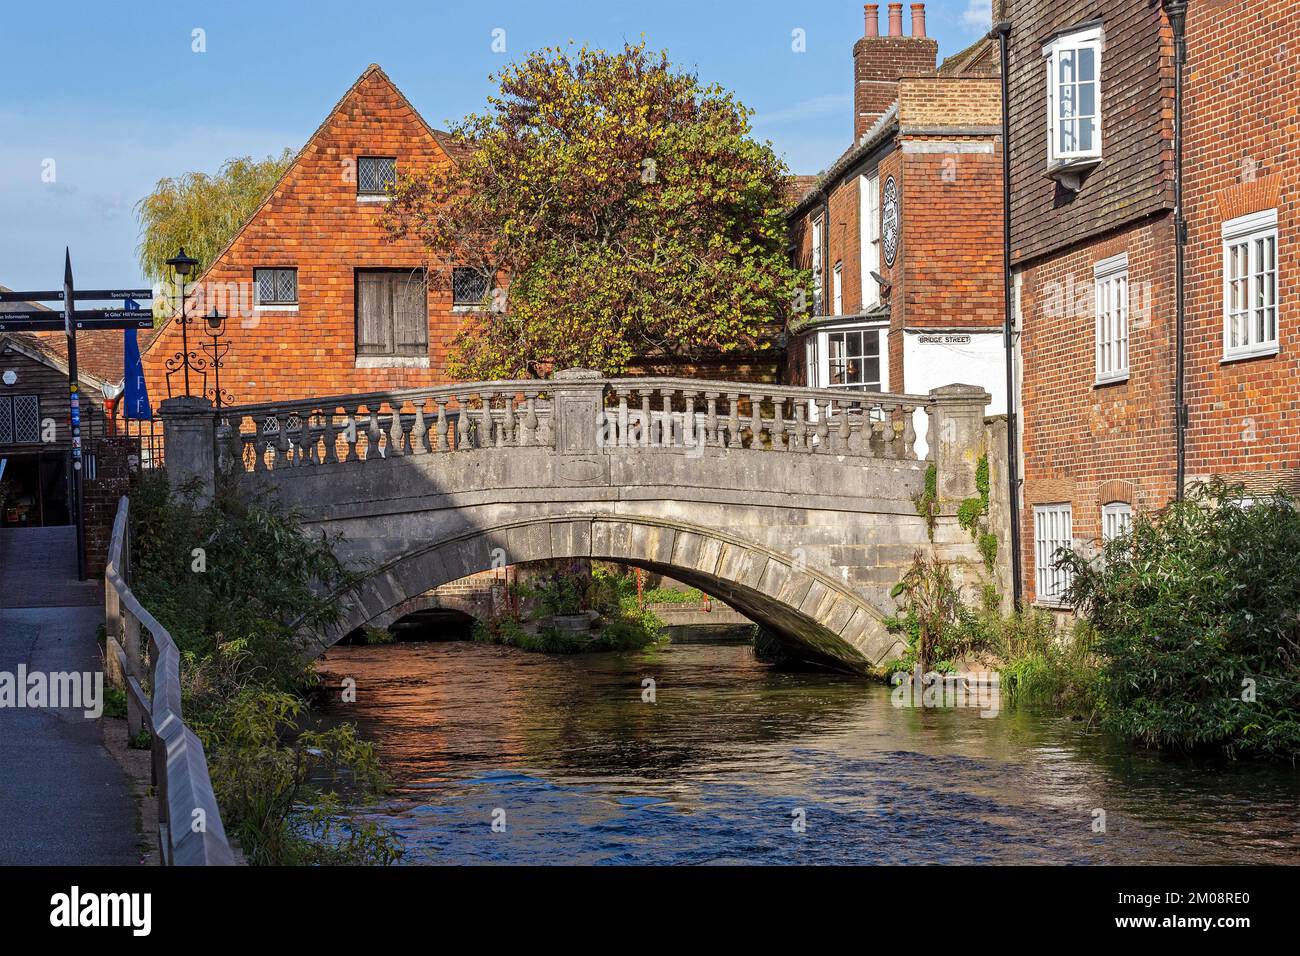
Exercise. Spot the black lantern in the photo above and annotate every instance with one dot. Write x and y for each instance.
(216, 351)
(183, 361)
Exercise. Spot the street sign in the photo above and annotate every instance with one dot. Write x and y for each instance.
(83, 321)
(89, 295)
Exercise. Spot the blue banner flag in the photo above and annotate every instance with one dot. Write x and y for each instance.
(135, 397)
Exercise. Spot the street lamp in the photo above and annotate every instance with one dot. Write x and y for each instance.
(183, 265)
(216, 323)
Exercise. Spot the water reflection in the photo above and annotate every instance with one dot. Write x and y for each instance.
(717, 769)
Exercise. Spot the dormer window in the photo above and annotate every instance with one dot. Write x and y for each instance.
(1073, 104)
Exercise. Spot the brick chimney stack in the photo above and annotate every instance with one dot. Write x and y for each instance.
(878, 62)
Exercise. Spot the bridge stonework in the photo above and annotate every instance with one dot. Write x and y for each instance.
(794, 506)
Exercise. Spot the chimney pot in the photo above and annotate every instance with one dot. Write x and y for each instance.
(895, 19)
(918, 19)
(871, 12)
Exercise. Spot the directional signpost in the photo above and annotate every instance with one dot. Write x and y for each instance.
(71, 321)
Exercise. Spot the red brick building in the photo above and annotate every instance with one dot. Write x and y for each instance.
(318, 299)
(904, 231)
(1094, 250)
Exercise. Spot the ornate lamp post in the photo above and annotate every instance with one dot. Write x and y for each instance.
(183, 265)
(216, 351)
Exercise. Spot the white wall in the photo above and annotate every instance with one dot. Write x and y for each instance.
(932, 359)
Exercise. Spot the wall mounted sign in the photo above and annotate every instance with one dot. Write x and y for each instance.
(945, 339)
(889, 219)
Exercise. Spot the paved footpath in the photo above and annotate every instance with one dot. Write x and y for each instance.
(63, 799)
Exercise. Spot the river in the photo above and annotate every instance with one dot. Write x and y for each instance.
(734, 762)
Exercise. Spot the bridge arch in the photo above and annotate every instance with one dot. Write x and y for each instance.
(818, 618)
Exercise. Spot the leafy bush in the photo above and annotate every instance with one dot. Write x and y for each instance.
(234, 610)
(927, 502)
(235, 607)
(278, 785)
(1044, 665)
(1197, 614)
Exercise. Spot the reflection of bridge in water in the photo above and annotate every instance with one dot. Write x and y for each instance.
(794, 506)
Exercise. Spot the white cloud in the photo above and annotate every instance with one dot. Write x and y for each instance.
(978, 14)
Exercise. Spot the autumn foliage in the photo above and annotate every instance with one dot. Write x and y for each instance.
(621, 210)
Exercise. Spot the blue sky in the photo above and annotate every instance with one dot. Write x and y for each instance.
(115, 96)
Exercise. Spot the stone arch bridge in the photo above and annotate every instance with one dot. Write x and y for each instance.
(794, 506)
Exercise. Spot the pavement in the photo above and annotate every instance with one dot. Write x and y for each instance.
(63, 799)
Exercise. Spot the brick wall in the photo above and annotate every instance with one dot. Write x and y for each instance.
(1240, 157)
(313, 221)
(112, 481)
(1085, 443)
(878, 62)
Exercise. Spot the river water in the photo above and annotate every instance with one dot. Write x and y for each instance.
(734, 762)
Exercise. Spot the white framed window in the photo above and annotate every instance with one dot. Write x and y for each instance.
(817, 265)
(837, 289)
(1053, 530)
(1116, 519)
(275, 287)
(1250, 285)
(870, 198)
(1110, 292)
(1074, 96)
(851, 359)
(376, 175)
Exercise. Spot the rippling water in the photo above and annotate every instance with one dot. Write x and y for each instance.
(720, 766)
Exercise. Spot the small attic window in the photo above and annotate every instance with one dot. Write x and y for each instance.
(376, 175)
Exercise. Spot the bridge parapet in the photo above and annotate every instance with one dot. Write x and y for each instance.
(594, 413)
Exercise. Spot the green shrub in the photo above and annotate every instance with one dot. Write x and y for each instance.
(1195, 611)
(1047, 666)
(114, 702)
(279, 786)
(235, 608)
(927, 502)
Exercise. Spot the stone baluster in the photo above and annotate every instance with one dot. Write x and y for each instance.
(689, 438)
(889, 447)
(799, 436)
(372, 433)
(440, 427)
(508, 422)
(647, 423)
(712, 434)
(352, 433)
(330, 437)
(733, 420)
(529, 434)
(623, 439)
(778, 424)
(419, 430)
(484, 422)
(462, 422)
(844, 434)
(396, 439)
(281, 457)
(909, 433)
(666, 437)
(823, 428)
(756, 422)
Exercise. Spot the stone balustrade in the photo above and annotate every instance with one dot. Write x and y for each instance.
(635, 413)
(694, 414)
(384, 425)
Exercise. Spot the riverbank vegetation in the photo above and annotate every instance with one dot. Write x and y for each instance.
(233, 582)
(543, 609)
(1187, 635)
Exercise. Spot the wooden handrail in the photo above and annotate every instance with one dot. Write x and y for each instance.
(190, 831)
